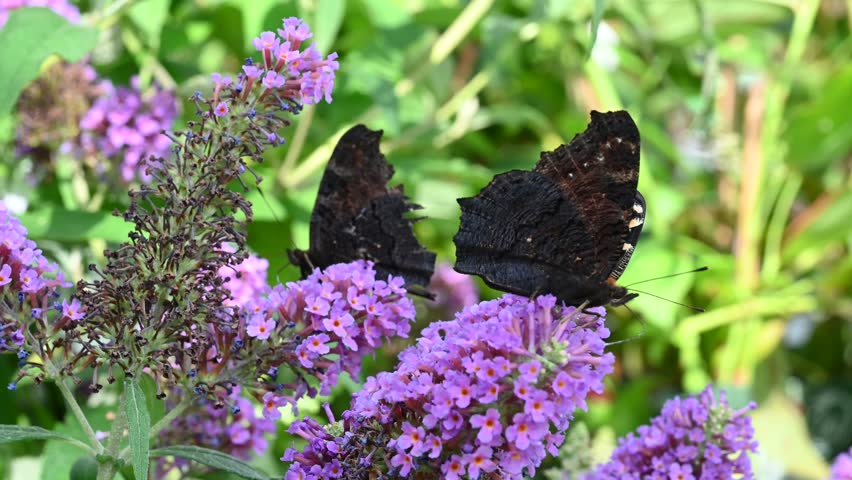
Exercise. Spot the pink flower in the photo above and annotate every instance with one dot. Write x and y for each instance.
(489, 425)
(221, 109)
(251, 71)
(404, 461)
(479, 461)
(259, 327)
(337, 322)
(317, 344)
(5, 275)
(72, 310)
(271, 404)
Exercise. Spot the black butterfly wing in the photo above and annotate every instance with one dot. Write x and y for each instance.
(568, 227)
(381, 232)
(357, 216)
(356, 173)
(522, 235)
(634, 228)
(599, 171)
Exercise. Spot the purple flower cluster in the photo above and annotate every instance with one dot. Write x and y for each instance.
(28, 284)
(340, 314)
(236, 430)
(246, 281)
(286, 67)
(288, 77)
(316, 328)
(842, 467)
(61, 7)
(453, 290)
(126, 123)
(696, 438)
(486, 394)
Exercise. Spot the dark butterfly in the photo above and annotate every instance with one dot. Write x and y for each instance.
(568, 227)
(356, 216)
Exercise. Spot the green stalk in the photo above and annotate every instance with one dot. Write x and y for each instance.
(53, 372)
(109, 465)
(754, 209)
(441, 48)
(780, 304)
(109, 16)
(777, 224)
(297, 143)
(79, 415)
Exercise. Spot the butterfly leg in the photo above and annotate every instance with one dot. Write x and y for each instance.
(584, 309)
(630, 339)
(577, 311)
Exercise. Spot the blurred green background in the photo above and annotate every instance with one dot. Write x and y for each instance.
(744, 112)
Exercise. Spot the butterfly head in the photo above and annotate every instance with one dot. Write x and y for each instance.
(301, 259)
(621, 296)
(617, 294)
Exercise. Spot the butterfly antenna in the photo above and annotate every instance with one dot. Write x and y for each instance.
(269, 205)
(634, 337)
(278, 221)
(693, 308)
(700, 269)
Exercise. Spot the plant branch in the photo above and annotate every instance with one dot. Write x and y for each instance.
(78, 413)
(109, 467)
(170, 416)
(69, 399)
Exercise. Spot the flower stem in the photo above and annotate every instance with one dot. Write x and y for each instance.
(109, 467)
(169, 417)
(78, 413)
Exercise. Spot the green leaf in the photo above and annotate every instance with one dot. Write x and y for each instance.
(14, 433)
(29, 37)
(784, 438)
(150, 17)
(819, 131)
(156, 406)
(72, 225)
(326, 24)
(830, 226)
(213, 459)
(256, 16)
(63, 455)
(387, 13)
(139, 424)
(597, 15)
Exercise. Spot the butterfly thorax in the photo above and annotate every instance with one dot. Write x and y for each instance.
(592, 294)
